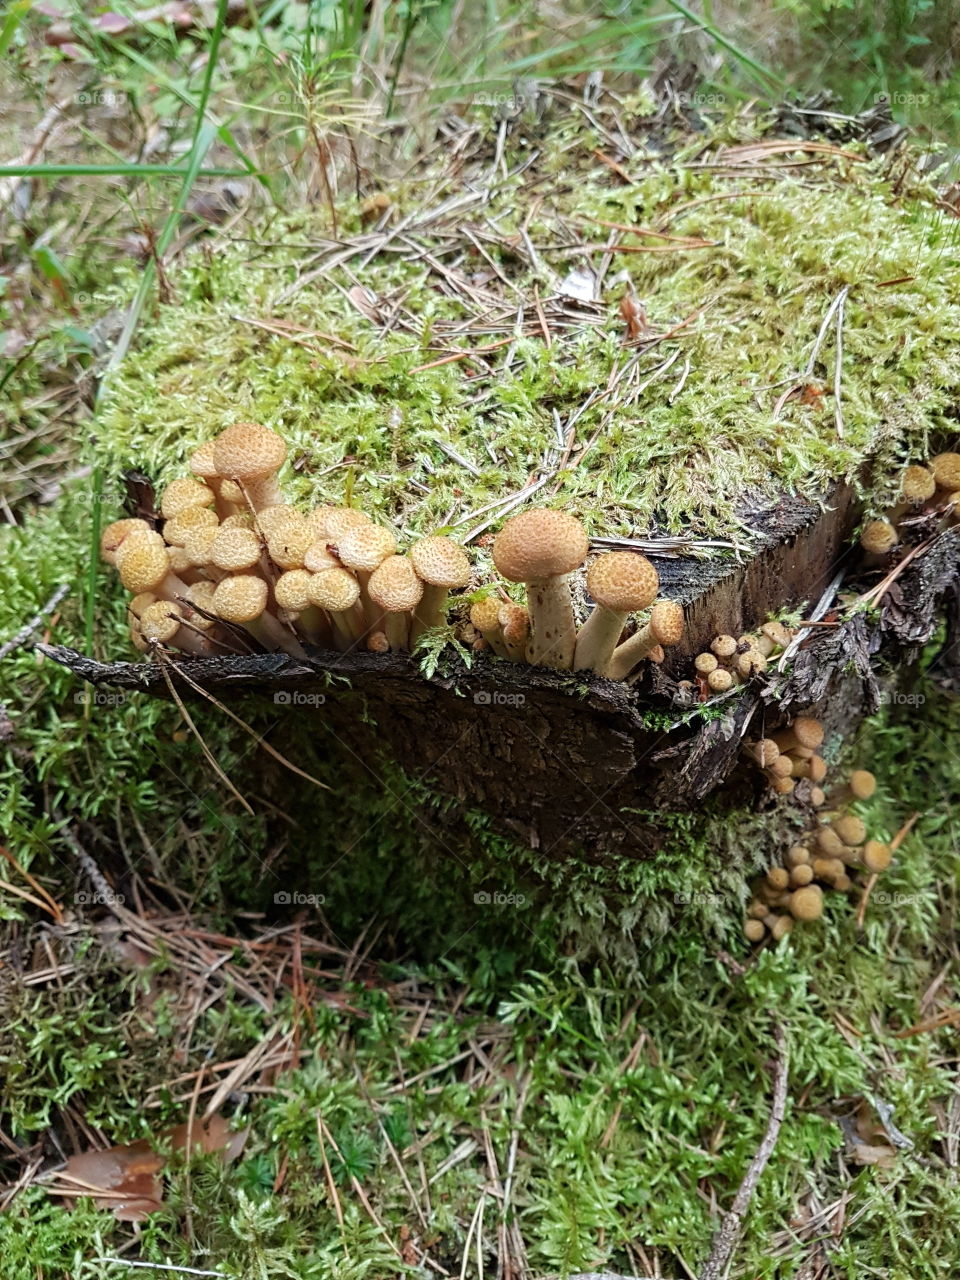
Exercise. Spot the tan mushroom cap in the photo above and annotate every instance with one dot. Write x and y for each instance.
(394, 586)
(862, 783)
(200, 593)
(377, 642)
(334, 589)
(140, 602)
(623, 581)
(202, 462)
(160, 621)
(272, 518)
(723, 646)
(317, 519)
(850, 829)
(666, 622)
(230, 491)
(485, 614)
(240, 599)
(178, 560)
(363, 546)
(318, 557)
(239, 520)
(183, 493)
(807, 731)
(198, 543)
(138, 538)
(289, 541)
(114, 535)
(441, 562)
(247, 451)
(515, 621)
(235, 549)
(806, 903)
(946, 469)
(918, 484)
(338, 520)
(878, 537)
(720, 681)
(541, 543)
(876, 856)
(292, 590)
(143, 566)
(175, 529)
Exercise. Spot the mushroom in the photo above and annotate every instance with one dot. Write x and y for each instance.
(337, 520)
(442, 566)
(850, 829)
(337, 592)
(161, 622)
(362, 548)
(176, 529)
(114, 535)
(183, 493)
(704, 663)
(203, 464)
(540, 548)
(377, 642)
(803, 732)
(145, 566)
(289, 540)
(485, 616)
(620, 582)
(292, 593)
(723, 646)
(719, 681)
(801, 875)
(754, 930)
(514, 622)
(918, 484)
(946, 471)
(876, 856)
(664, 627)
(234, 550)
(806, 903)
(242, 599)
(878, 538)
(862, 784)
(763, 752)
(396, 590)
(251, 455)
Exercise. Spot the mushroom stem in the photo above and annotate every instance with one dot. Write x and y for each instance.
(270, 633)
(262, 493)
(397, 630)
(553, 630)
(430, 612)
(597, 641)
(626, 656)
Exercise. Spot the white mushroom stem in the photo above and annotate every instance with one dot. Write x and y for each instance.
(262, 493)
(430, 612)
(349, 626)
(270, 633)
(312, 623)
(397, 629)
(626, 656)
(371, 613)
(553, 629)
(597, 640)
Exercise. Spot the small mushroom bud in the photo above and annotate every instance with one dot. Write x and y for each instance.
(200, 594)
(778, 878)
(878, 538)
(723, 646)
(780, 926)
(862, 784)
(203, 465)
(781, 767)
(829, 842)
(160, 623)
(806, 903)
(242, 600)
(750, 664)
(719, 681)
(396, 590)
(442, 566)
(946, 471)
(778, 633)
(803, 732)
(337, 592)
(541, 548)
(140, 602)
(251, 455)
(798, 855)
(763, 753)
(782, 786)
(665, 627)
(292, 592)
(113, 536)
(704, 663)
(181, 494)
(753, 930)
(318, 557)
(918, 484)
(757, 910)
(828, 869)
(377, 642)
(178, 527)
(514, 622)
(485, 616)
(144, 566)
(761, 644)
(800, 876)
(850, 829)
(288, 541)
(620, 582)
(818, 797)
(876, 856)
(814, 768)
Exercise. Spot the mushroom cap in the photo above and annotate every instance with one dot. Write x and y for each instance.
(806, 903)
(338, 520)
(289, 541)
(850, 829)
(175, 529)
(440, 561)
(541, 543)
(235, 549)
(704, 663)
(363, 546)
(200, 593)
(334, 589)
(723, 646)
(143, 566)
(230, 491)
(807, 731)
(666, 622)
(317, 519)
(271, 518)
(878, 537)
(178, 560)
(515, 621)
(377, 642)
(623, 581)
(876, 856)
(753, 930)
(160, 621)
(765, 752)
(917, 484)
(946, 469)
(719, 680)
(198, 543)
(394, 586)
(485, 614)
(777, 632)
(185, 492)
(140, 602)
(241, 598)
(292, 590)
(318, 557)
(862, 783)
(202, 462)
(829, 842)
(247, 451)
(114, 535)
(239, 520)
(137, 538)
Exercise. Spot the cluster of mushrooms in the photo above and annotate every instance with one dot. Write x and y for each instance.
(926, 490)
(731, 660)
(835, 847)
(232, 568)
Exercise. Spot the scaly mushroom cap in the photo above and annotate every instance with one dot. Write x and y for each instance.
(240, 599)
(878, 537)
(143, 566)
(666, 622)
(918, 484)
(292, 590)
(235, 549)
(114, 535)
(175, 529)
(317, 519)
(230, 491)
(140, 602)
(289, 541)
(623, 581)
(719, 680)
(850, 829)
(339, 519)
(876, 856)
(542, 543)
(440, 561)
(271, 518)
(807, 731)
(178, 560)
(723, 646)
(704, 663)
(485, 614)
(394, 586)
(239, 520)
(862, 783)
(515, 621)
(160, 621)
(778, 633)
(318, 557)
(364, 546)
(138, 538)
(334, 589)
(202, 461)
(946, 469)
(198, 544)
(806, 903)
(247, 452)
(183, 493)
(201, 593)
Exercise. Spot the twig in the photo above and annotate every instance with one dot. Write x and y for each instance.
(162, 1266)
(838, 412)
(25, 632)
(728, 1236)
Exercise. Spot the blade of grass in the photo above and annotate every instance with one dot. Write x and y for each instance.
(89, 604)
(768, 78)
(110, 170)
(15, 15)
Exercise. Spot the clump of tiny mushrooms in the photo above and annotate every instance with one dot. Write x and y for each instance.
(834, 850)
(928, 492)
(233, 568)
(731, 660)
